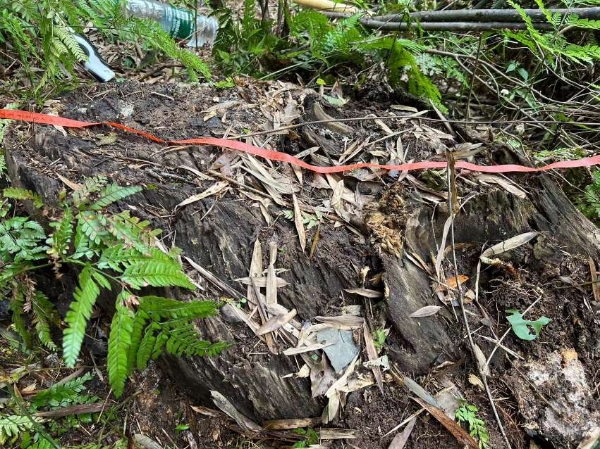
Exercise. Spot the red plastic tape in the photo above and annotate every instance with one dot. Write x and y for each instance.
(35, 117)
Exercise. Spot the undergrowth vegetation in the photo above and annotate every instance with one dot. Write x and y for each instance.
(38, 41)
(112, 254)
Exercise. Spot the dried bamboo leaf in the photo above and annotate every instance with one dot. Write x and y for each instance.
(401, 439)
(453, 427)
(484, 369)
(78, 409)
(303, 349)
(271, 285)
(261, 282)
(367, 293)
(506, 184)
(216, 188)
(337, 434)
(320, 114)
(425, 311)
(342, 320)
(146, 442)
(594, 275)
(228, 408)
(507, 245)
(419, 391)
(372, 354)
(298, 222)
(276, 322)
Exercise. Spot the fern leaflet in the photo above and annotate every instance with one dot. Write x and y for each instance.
(79, 314)
(119, 342)
(157, 273)
(113, 193)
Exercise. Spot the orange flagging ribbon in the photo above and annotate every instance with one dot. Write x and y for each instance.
(35, 117)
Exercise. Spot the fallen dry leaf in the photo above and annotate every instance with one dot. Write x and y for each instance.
(425, 311)
(367, 293)
(400, 440)
(453, 427)
(298, 222)
(217, 187)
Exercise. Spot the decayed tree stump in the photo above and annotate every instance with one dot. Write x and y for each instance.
(219, 235)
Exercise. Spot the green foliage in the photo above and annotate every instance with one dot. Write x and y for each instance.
(20, 422)
(379, 336)
(467, 414)
(589, 202)
(63, 395)
(519, 325)
(28, 26)
(316, 44)
(550, 46)
(11, 426)
(311, 437)
(110, 251)
(308, 220)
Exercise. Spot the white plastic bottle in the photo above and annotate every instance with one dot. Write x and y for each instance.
(175, 21)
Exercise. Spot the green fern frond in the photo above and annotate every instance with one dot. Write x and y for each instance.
(171, 309)
(12, 426)
(138, 332)
(118, 257)
(16, 305)
(21, 240)
(156, 273)
(119, 342)
(90, 185)
(101, 280)
(132, 231)
(113, 193)
(159, 343)
(183, 340)
(65, 394)
(78, 315)
(93, 225)
(146, 346)
(16, 193)
(45, 314)
(61, 237)
(160, 39)
(70, 44)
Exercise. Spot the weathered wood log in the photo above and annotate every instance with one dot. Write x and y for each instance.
(219, 234)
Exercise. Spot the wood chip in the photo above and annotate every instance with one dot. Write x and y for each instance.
(294, 423)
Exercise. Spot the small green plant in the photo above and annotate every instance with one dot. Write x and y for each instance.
(379, 336)
(114, 252)
(520, 325)
(467, 414)
(34, 432)
(589, 202)
(308, 220)
(310, 437)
